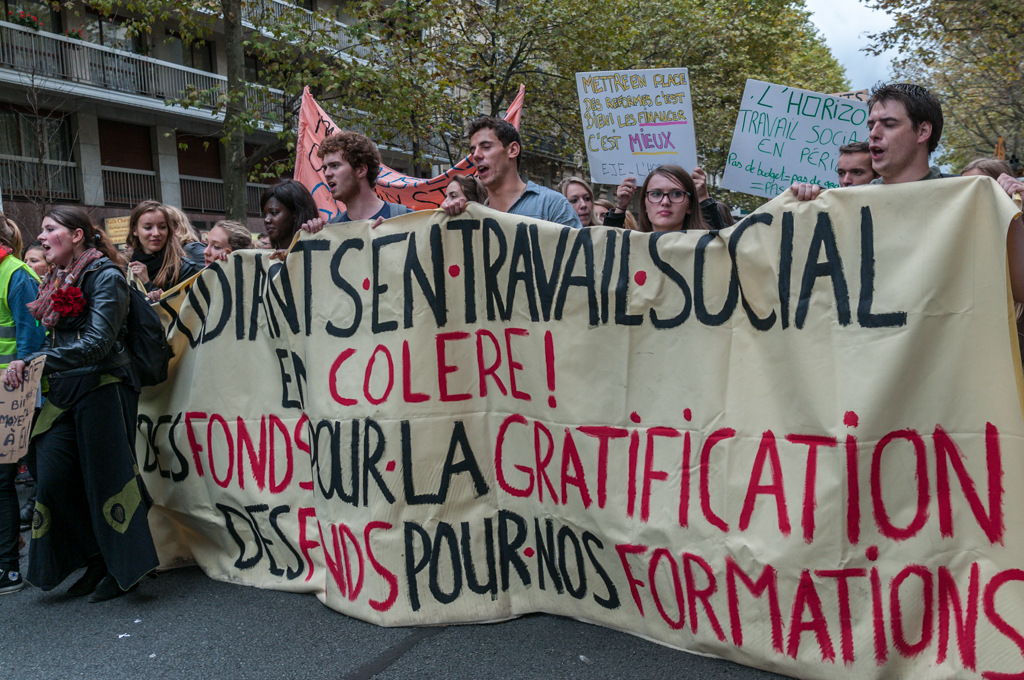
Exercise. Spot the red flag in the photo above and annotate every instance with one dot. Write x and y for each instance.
(392, 186)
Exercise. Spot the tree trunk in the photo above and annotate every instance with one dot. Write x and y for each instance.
(235, 174)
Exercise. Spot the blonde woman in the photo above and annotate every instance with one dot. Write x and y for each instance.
(581, 198)
(186, 233)
(226, 237)
(603, 206)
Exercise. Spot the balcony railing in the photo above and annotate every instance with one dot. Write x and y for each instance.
(263, 12)
(46, 55)
(206, 195)
(49, 180)
(122, 186)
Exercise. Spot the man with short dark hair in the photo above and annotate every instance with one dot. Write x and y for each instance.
(904, 127)
(351, 163)
(854, 165)
(495, 148)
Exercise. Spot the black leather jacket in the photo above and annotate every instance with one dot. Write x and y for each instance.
(91, 342)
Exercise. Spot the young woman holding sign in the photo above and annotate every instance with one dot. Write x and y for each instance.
(673, 200)
(91, 504)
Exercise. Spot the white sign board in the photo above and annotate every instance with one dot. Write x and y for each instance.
(17, 406)
(634, 121)
(785, 135)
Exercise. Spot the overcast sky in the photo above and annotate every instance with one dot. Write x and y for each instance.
(846, 25)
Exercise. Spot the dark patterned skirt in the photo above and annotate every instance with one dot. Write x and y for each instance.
(90, 499)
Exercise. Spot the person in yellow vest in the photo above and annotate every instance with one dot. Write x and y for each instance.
(20, 335)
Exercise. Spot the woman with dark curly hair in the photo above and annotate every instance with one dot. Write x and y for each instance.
(91, 504)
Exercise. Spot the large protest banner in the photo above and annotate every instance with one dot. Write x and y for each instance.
(785, 135)
(634, 121)
(220, 444)
(393, 186)
(788, 443)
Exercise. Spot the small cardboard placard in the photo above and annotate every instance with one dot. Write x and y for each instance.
(785, 135)
(634, 121)
(17, 406)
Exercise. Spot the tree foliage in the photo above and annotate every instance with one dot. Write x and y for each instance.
(475, 53)
(410, 73)
(970, 54)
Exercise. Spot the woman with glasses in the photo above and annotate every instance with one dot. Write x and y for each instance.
(672, 200)
(581, 198)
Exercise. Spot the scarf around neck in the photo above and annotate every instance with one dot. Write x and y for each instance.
(154, 262)
(60, 279)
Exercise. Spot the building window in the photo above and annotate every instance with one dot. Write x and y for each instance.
(26, 135)
(38, 8)
(110, 32)
(198, 55)
(256, 71)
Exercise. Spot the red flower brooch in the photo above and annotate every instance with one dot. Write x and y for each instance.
(68, 301)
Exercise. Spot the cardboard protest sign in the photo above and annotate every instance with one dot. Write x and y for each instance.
(392, 186)
(785, 135)
(765, 443)
(17, 406)
(634, 121)
(859, 95)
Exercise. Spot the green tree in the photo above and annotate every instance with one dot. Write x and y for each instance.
(970, 54)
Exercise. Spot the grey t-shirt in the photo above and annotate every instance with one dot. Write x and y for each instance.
(933, 173)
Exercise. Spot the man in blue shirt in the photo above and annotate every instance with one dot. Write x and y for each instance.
(495, 148)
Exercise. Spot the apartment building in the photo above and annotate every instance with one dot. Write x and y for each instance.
(84, 118)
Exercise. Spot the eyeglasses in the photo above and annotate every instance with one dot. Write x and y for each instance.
(677, 196)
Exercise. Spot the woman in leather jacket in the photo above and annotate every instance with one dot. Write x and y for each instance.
(91, 504)
(158, 258)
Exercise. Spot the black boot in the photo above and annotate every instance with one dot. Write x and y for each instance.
(27, 511)
(107, 590)
(95, 572)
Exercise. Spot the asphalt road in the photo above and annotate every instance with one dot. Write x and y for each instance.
(184, 625)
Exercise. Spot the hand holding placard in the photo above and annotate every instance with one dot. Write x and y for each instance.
(17, 405)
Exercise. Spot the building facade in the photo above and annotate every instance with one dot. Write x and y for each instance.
(84, 117)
